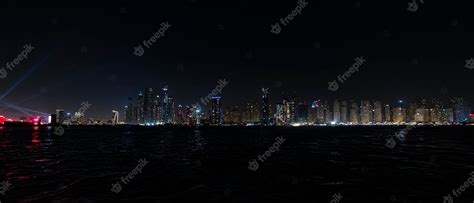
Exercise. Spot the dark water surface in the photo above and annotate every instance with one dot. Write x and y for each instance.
(209, 164)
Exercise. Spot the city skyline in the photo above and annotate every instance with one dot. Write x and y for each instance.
(407, 53)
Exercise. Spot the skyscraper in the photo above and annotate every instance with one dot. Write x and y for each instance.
(337, 112)
(302, 112)
(280, 114)
(378, 112)
(399, 115)
(354, 115)
(290, 113)
(460, 110)
(60, 116)
(365, 112)
(140, 108)
(387, 114)
(216, 111)
(265, 107)
(344, 111)
(149, 107)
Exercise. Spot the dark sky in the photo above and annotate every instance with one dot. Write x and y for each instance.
(84, 50)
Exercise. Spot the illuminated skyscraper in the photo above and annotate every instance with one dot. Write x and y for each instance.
(280, 115)
(290, 113)
(419, 115)
(411, 114)
(378, 112)
(387, 114)
(460, 111)
(157, 109)
(365, 112)
(216, 111)
(60, 116)
(265, 108)
(149, 107)
(354, 115)
(344, 111)
(399, 115)
(337, 112)
(140, 108)
(180, 115)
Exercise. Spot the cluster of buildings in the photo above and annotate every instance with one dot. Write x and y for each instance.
(152, 108)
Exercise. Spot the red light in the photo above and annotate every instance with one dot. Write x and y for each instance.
(471, 115)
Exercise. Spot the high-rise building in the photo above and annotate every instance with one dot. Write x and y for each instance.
(313, 113)
(302, 112)
(419, 115)
(180, 115)
(265, 108)
(125, 114)
(337, 112)
(157, 109)
(387, 114)
(399, 115)
(149, 107)
(461, 113)
(365, 112)
(378, 112)
(216, 111)
(344, 111)
(327, 112)
(60, 116)
(141, 108)
(354, 115)
(280, 115)
(320, 118)
(233, 115)
(411, 113)
(290, 113)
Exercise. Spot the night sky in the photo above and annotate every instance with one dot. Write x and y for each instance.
(84, 51)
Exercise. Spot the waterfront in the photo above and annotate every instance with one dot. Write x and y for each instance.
(210, 164)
